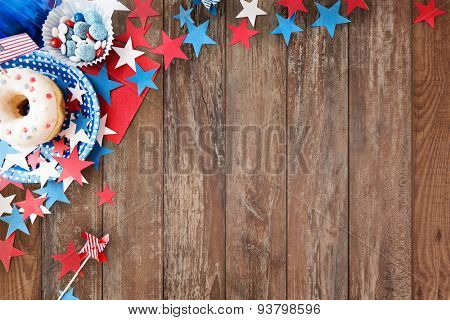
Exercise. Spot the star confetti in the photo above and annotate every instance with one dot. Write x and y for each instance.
(102, 85)
(428, 12)
(329, 17)
(59, 147)
(109, 6)
(5, 182)
(352, 4)
(106, 196)
(286, 27)
(70, 261)
(197, 36)
(5, 149)
(103, 130)
(97, 152)
(170, 49)
(137, 34)
(5, 204)
(293, 6)
(250, 11)
(143, 11)
(143, 79)
(73, 105)
(34, 159)
(15, 222)
(46, 170)
(31, 205)
(127, 55)
(17, 159)
(184, 16)
(34, 216)
(69, 295)
(54, 192)
(7, 251)
(242, 34)
(72, 166)
(77, 93)
(82, 123)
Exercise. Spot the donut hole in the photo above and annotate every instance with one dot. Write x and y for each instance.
(23, 107)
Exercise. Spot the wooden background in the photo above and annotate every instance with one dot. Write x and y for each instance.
(360, 209)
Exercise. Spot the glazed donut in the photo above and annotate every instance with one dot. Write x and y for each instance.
(46, 112)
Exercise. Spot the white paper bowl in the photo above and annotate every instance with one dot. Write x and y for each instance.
(69, 8)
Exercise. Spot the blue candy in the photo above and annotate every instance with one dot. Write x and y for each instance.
(98, 32)
(69, 33)
(92, 17)
(78, 17)
(71, 46)
(80, 29)
(85, 52)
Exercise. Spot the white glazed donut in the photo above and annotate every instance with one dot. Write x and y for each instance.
(19, 87)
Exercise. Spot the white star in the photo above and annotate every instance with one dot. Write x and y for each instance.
(250, 11)
(103, 130)
(46, 171)
(5, 204)
(33, 216)
(18, 159)
(127, 55)
(77, 93)
(80, 136)
(68, 181)
(109, 6)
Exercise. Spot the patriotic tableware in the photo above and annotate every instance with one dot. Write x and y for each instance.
(16, 46)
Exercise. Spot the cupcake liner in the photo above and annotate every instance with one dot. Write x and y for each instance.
(69, 8)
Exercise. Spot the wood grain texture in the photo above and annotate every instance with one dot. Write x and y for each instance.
(380, 165)
(317, 163)
(431, 219)
(135, 172)
(194, 168)
(256, 149)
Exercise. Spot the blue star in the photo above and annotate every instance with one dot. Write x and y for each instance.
(62, 85)
(184, 16)
(103, 85)
(5, 149)
(213, 11)
(15, 222)
(54, 191)
(82, 123)
(97, 152)
(197, 2)
(286, 27)
(197, 36)
(68, 295)
(329, 17)
(143, 79)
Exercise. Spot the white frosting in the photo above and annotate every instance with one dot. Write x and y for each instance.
(38, 125)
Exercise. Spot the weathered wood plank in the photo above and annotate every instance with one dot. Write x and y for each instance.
(431, 219)
(317, 163)
(380, 166)
(135, 172)
(194, 168)
(256, 163)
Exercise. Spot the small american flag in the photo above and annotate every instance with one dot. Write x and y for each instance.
(15, 46)
(209, 3)
(94, 247)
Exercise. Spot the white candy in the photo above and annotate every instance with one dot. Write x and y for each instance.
(90, 41)
(63, 28)
(63, 49)
(62, 37)
(103, 44)
(63, 19)
(76, 38)
(74, 59)
(81, 42)
(55, 32)
(97, 45)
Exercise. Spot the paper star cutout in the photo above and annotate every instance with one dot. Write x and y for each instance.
(109, 6)
(184, 16)
(74, 138)
(69, 295)
(31, 205)
(5, 149)
(143, 79)
(95, 251)
(70, 261)
(428, 12)
(102, 85)
(5, 182)
(137, 34)
(127, 55)
(15, 222)
(67, 182)
(34, 216)
(106, 196)
(197, 36)
(143, 11)
(7, 251)
(72, 166)
(46, 170)
(242, 34)
(352, 4)
(329, 17)
(97, 152)
(250, 11)
(170, 49)
(34, 159)
(5, 204)
(103, 130)
(286, 27)
(77, 93)
(73, 106)
(17, 159)
(82, 123)
(54, 192)
(59, 147)
(293, 6)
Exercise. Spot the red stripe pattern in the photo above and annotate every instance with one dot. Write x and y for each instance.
(15, 46)
(94, 247)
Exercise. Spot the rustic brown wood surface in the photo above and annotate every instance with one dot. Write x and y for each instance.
(317, 171)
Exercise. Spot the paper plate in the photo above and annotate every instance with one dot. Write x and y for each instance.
(45, 64)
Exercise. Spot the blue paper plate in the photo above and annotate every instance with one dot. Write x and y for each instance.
(45, 64)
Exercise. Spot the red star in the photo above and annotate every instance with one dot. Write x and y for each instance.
(72, 166)
(73, 105)
(428, 13)
(5, 182)
(170, 49)
(137, 35)
(70, 260)
(59, 147)
(242, 34)
(34, 159)
(143, 11)
(352, 4)
(293, 6)
(31, 205)
(7, 251)
(106, 196)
